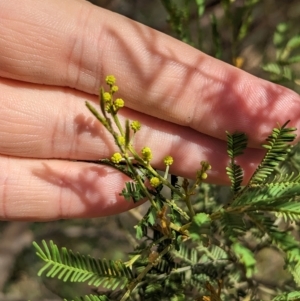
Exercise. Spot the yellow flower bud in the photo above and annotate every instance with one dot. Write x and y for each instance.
(106, 96)
(119, 103)
(110, 80)
(114, 89)
(135, 125)
(116, 158)
(154, 182)
(121, 140)
(147, 153)
(205, 165)
(168, 160)
(204, 176)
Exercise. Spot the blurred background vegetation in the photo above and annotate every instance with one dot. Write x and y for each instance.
(244, 33)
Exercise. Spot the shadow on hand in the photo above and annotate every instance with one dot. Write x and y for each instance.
(87, 191)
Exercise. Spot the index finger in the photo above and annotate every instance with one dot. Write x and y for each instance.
(76, 44)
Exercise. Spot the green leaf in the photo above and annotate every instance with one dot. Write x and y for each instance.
(201, 219)
(200, 224)
(282, 72)
(294, 42)
(232, 224)
(91, 298)
(236, 144)
(246, 257)
(292, 296)
(200, 6)
(152, 214)
(293, 59)
(280, 196)
(66, 265)
(272, 68)
(280, 34)
(235, 174)
(277, 148)
(133, 191)
(139, 228)
(216, 37)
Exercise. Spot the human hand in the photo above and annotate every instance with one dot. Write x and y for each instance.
(54, 55)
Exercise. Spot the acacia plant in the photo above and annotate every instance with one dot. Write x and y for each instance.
(189, 245)
(184, 253)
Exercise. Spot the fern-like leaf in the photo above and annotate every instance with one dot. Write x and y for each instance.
(246, 257)
(212, 253)
(236, 144)
(133, 191)
(279, 72)
(91, 298)
(187, 255)
(232, 224)
(277, 148)
(292, 296)
(280, 196)
(66, 265)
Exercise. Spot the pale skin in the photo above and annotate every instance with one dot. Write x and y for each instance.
(54, 55)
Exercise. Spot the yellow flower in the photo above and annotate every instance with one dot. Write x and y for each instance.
(168, 160)
(114, 89)
(119, 103)
(116, 158)
(204, 176)
(106, 96)
(147, 153)
(135, 125)
(154, 182)
(201, 174)
(110, 80)
(205, 165)
(121, 140)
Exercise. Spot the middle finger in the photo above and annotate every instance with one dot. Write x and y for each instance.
(53, 122)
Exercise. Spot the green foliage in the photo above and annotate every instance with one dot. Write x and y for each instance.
(134, 191)
(236, 144)
(67, 266)
(184, 253)
(178, 18)
(237, 18)
(191, 246)
(216, 38)
(277, 149)
(90, 298)
(294, 296)
(282, 70)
